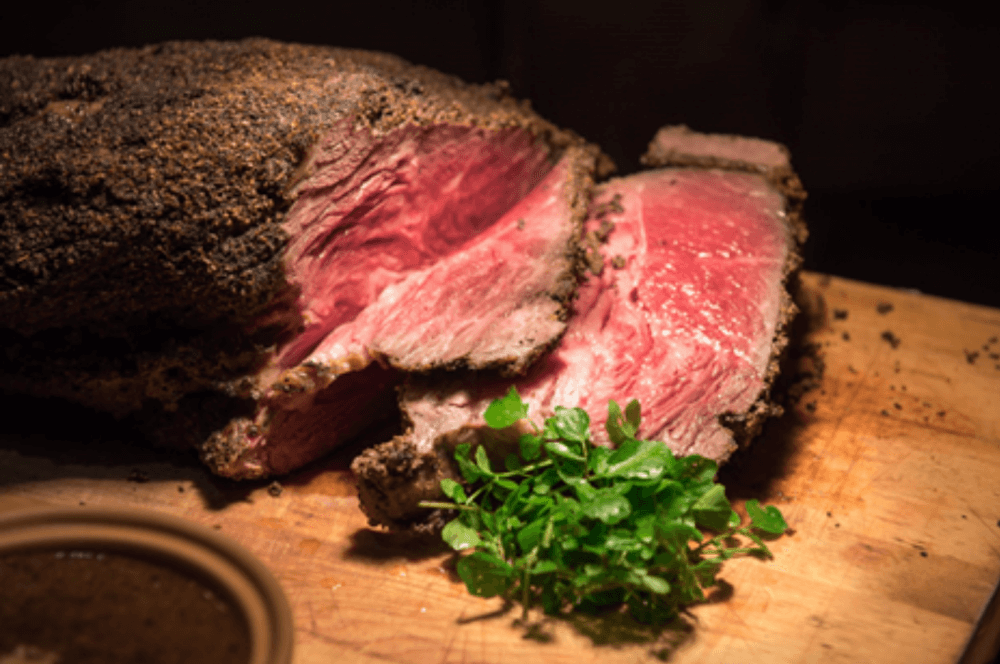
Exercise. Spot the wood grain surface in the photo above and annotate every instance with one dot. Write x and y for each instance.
(888, 470)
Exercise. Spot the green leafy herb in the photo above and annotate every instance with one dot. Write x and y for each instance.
(570, 525)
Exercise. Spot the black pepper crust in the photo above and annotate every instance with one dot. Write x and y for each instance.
(142, 193)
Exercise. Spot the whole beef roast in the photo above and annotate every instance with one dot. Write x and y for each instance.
(685, 310)
(249, 242)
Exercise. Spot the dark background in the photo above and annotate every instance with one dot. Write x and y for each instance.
(888, 108)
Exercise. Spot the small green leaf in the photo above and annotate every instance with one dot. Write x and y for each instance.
(678, 532)
(695, 470)
(655, 584)
(503, 412)
(572, 424)
(504, 483)
(705, 572)
(453, 490)
(529, 536)
(531, 446)
(618, 428)
(469, 470)
(768, 519)
(712, 509)
(459, 536)
(639, 459)
(620, 539)
(597, 460)
(484, 574)
(632, 414)
(544, 482)
(483, 461)
(544, 567)
(561, 449)
(608, 507)
(489, 520)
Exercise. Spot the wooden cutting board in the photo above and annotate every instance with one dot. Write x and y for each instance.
(888, 471)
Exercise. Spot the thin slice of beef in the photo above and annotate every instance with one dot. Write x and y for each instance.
(203, 223)
(685, 312)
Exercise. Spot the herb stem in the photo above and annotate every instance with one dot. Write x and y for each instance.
(433, 504)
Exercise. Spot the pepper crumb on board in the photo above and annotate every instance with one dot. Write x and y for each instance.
(840, 314)
(884, 307)
(885, 413)
(275, 488)
(971, 355)
(891, 338)
(845, 336)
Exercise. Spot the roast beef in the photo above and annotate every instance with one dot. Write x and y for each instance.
(685, 311)
(268, 235)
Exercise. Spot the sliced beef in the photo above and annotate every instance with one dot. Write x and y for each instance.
(272, 225)
(685, 311)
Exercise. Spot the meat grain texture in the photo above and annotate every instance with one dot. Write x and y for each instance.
(204, 233)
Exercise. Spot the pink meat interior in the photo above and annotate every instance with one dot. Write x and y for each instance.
(685, 326)
(377, 208)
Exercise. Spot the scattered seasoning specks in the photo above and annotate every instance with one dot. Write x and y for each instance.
(845, 336)
(885, 413)
(897, 406)
(891, 338)
(811, 406)
(993, 340)
(884, 307)
(971, 355)
(618, 262)
(941, 413)
(852, 369)
(275, 488)
(923, 554)
(840, 314)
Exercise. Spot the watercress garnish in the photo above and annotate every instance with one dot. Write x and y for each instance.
(571, 525)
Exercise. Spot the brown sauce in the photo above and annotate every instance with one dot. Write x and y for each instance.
(103, 607)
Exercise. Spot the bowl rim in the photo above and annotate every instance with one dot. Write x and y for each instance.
(173, 540)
